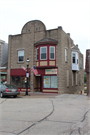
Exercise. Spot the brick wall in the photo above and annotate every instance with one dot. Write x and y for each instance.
(32, 32)
(87, 69)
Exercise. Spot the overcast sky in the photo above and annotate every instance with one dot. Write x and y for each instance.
(72, 15)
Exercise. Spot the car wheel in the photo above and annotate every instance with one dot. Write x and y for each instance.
(1, 95)
(15, 96)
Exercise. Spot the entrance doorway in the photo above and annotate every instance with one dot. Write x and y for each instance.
(37, 83)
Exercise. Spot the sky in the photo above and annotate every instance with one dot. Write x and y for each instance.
(72, 15)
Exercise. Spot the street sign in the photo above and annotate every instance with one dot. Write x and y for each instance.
(27, 74)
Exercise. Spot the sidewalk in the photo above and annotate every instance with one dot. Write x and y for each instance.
(38, 95)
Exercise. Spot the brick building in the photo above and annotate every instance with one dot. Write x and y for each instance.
(87, 69)
(58, 61)
(3, 60)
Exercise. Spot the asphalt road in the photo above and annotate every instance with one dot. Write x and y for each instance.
(66, 114)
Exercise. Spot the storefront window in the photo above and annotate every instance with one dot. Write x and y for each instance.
(50, 82)
(54, 82)
(1, 78)
(46, 81)
(15, 80)
(23, 82)
(19, 81)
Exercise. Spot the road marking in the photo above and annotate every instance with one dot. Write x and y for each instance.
(21, 112)
(7, 119)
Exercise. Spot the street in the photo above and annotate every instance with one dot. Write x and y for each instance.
(66, 114)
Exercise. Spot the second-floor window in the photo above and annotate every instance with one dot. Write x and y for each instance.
(73, 58)
(65, 54)
(52, 52)
(43, 53)
(37, 54)
(21, 56)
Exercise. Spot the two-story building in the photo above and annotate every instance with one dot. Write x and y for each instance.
(3, 60)
(58, 61)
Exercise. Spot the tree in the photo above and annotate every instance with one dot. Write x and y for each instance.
(85, 78)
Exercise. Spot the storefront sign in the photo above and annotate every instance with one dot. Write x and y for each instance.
(46, 81)
(50, 71)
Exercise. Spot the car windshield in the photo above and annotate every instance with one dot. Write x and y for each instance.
(9, 86)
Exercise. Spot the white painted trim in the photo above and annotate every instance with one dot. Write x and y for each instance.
(66, 48)
(3, 67)
(38, 75)
(74, 49)
(21, 49)
(18, 57)
(36, 54)
(72, 46)
(46, 52)
(67, 55)
(54, 52)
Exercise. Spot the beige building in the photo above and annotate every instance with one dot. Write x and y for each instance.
(58, 61)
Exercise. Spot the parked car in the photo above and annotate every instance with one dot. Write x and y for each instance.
(8, 90)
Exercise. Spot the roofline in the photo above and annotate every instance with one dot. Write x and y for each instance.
(32, 21)
(36, 44)
(1, 41)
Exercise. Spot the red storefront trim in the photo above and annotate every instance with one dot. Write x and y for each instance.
(42, 73)
(50, 89)
(48, 55)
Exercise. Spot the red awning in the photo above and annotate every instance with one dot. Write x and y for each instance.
(41, 71)
(19, 72)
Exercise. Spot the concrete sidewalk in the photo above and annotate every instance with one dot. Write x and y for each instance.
(38, 95)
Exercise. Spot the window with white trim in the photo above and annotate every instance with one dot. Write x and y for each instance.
(52, 52)
(21, 56)
(65, 54)
(43, 53)
(73, 58)
(37, 54)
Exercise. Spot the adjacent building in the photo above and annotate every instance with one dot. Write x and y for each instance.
(58, 61)
(3, 60)
(87, 69)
